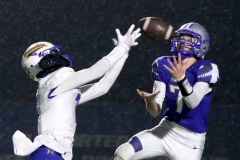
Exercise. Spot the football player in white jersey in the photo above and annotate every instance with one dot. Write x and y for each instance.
(185, 82)
(61, 89)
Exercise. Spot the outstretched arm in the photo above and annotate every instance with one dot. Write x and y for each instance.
(154, 101)
(100, 88)
(82, 77)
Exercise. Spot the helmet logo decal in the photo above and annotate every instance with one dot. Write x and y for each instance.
(38, 46)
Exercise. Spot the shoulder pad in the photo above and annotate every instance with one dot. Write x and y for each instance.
(157, 67)
(208, 73)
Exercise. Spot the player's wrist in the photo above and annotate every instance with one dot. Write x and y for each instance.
(181, 78)
(149, 101)
(184, 86)
(123, 47)
(115, 55)
(125, 55)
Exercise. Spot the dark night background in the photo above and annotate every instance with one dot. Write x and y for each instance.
(85, 29)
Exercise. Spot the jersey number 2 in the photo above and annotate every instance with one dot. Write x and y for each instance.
(179, 104)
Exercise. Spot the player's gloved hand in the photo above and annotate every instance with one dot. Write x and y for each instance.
(123, 44)
(129, 39)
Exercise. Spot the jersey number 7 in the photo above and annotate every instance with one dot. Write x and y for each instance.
(179, 104)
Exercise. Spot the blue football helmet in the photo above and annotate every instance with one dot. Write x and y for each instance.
(198, 46)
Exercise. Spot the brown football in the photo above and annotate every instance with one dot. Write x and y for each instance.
(156, 28)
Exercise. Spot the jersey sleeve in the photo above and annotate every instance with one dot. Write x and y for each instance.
(208, 73)
(157, 73)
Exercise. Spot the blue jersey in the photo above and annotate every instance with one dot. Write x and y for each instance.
(177, 110)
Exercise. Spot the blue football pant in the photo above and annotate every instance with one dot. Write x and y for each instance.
(45, 153)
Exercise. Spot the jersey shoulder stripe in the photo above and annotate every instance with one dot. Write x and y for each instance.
(208, 72)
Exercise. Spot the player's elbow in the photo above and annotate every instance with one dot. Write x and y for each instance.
(191, 104)
(153, 108)
(154, 113)
(104, 91)
(192, 101)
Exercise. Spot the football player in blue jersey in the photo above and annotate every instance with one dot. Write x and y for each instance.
(61, 89)
(185, 83)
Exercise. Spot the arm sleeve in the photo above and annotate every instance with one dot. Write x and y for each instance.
(207, 75)
(77, 79)
(200, 89)
(159, 86)
(102, 87)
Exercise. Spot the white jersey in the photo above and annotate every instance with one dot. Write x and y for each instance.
(57, 121)
(58, 95)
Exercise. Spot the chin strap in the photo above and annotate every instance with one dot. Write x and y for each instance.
(53, 62)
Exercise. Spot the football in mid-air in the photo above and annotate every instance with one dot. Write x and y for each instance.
(156, 28)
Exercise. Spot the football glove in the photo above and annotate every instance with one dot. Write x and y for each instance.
(127, 40)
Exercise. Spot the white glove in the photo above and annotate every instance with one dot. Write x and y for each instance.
(123, 44)
(128, 39)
